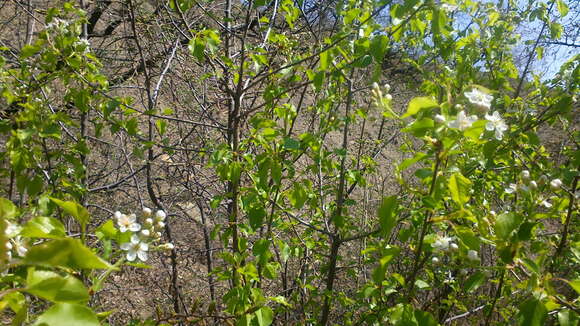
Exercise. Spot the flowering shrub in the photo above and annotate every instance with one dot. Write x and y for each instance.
(322, 197)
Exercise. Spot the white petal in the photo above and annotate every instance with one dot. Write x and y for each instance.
(160, 215)
(135, 239)
(122, 228)
(498, 134)
(489, 126)
(142, 255)
(131, 255)
(143, 246)
(135, 227)
(126, 246)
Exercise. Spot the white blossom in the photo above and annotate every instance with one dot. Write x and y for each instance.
(11, 230)
(167, 246)
(442, 243)
(128, 222)
(160, 215)
(21, 250)
(135, 249)
(479, 99)
(525, 175)
(556, 184)
(472, 255)
(147, 211)
(512, 188)
(440, 118)
(546, 203)
(462, 121)
(495, 122)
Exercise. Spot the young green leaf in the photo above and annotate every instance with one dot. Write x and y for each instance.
(386, 212)
(68, 314)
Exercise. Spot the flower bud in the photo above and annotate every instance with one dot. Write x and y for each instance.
(439, 118)
(435, 260)
(389, 97)
(387, 88)
(158, 234)
(493, 213)
(160, 215)
(525, 175)
(543, 180)
(472, 255)
(556, 184)
(160, 225)
(148, 221)
(375, 86)
(453, 246)
(533, 185)
(167, 246)
(118, 215)
(145, 233)
(147, 211)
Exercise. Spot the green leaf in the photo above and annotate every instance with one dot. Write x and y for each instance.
(562, 8)
(419, 103)
(264, 316)
(575, 284)
(506, 224)
(53, 287)
(64, 253)
(29, 50)
(422, 284)
(7, 209)
(298, 196)
(459, 187)
(468, 238)
(256, 216)
(425, 318)
(568, 318)
(378, 47)
(73, 209)
(532, 313)
(43, 227)
(420, 127)
(474, 281)
(386, 211)
(324, 60)
(68, 314)
(107, 230)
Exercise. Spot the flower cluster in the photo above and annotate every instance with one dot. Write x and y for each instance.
(526, 184)
(143, 235)
(382, 98)
(58, 24)
(462, 121)
(15, 246)
(445, 245)
(479, 99)
(495, 122)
